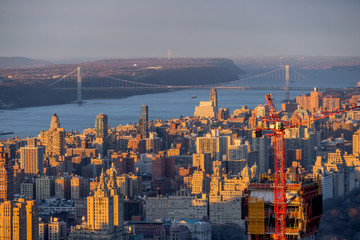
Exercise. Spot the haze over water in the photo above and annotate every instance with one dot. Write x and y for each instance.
(30, 121)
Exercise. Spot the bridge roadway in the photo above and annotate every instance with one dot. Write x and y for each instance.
(202, 87)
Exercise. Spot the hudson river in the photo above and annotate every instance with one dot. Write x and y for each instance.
(30, 121)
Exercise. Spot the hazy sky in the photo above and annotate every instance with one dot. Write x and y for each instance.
(190, 28)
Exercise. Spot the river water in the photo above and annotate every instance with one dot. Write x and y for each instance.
(26, 122)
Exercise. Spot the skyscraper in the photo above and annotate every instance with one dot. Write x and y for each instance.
(213, 98)
(32, 158)
(6, 174)
(101, 125)
(101, 129)
(143, 121)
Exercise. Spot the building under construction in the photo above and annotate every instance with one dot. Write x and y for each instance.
(303, 208)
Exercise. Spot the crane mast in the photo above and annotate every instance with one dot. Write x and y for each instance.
(277, 127)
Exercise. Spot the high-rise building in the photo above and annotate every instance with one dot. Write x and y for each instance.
(118, 198)
(215, 145)
(198, 182)
(104, 212)
(6, 177)
(45, 187)
(101, 129)
(225, 196)
(32, 158)
(18, 177)
(153, 143)
(203, 162)
(13, 220)
(261, 146)
(101, 125)
(19, 219)
(143, 121)
(27, 189)
(32, 219)
(206, 109)
(356, 143)
(54, 139)
(78, 187)
(130, 185)
(213, 98)
(62, 188)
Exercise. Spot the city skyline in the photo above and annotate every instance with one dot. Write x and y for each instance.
(57, 30)
(211, 169)
(170, 136)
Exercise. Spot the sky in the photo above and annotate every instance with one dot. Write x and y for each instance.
(190, 28)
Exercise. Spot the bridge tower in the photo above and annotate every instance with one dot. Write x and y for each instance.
(287, 77)
(79, 86)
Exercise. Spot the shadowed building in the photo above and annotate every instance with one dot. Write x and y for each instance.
(213, 98)
(6, 174)
(143, 121)
(101, 129)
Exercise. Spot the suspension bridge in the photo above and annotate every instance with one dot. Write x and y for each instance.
(75, 81)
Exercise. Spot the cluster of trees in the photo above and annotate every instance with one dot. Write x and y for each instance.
(341, 218)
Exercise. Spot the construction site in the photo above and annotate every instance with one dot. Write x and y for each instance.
(303, 208)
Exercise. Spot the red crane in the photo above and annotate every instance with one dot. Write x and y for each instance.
(277, 127)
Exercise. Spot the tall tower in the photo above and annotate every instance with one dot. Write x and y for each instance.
(287, 78)
(101, 125)
(101, 128)
(6, 174)
(79, 85)
(213, 98)
(143, 121)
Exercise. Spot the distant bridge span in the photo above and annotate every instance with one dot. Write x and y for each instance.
(74, 81)
(199, 87)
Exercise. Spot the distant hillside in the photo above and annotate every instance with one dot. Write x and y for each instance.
(26, 87)
(21, 62)
(304, 62)
(346, 68)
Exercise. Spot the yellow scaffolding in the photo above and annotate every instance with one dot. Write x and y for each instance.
(256, 216)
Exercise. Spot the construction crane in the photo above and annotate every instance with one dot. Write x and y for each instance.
(277, 129)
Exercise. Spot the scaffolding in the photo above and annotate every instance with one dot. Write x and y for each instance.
(256, 216)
